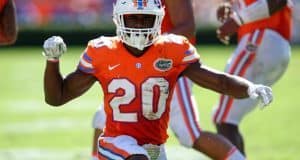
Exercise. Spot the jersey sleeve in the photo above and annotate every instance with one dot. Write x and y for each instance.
(86, 60)
(94, 55)
(85, 63)
(190, 54)
(186, 53)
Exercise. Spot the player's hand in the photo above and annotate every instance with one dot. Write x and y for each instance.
(224, 11)
(263, 93)
(226, 30)
(54, 47)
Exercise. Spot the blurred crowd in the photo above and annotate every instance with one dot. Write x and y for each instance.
(39, 13)
(97, 13)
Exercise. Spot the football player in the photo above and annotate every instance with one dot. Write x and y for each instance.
(262, 55)
(184, 114)
(137, 70)
(8, 24)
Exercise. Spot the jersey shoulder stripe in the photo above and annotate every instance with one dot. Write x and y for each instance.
(177, 44)
(85, 64)
(94, 50)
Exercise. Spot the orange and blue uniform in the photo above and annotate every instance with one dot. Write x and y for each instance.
(138, 90)
(184, 119)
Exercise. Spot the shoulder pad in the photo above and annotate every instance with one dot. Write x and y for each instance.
(173, 38)
(101, 42)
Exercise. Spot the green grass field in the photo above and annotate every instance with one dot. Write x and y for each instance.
(32, 130)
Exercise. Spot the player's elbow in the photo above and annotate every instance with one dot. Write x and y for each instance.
(53, 102)
(9, 39)
(12, 39)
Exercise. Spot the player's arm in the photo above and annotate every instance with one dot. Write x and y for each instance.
(223, 83)
(182, 17)
(258, 10)
(57, 89)
(8, 24)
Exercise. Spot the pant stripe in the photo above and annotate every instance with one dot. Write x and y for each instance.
(186, 108)
(224, 99)
(111, 151)
(228, 106)
(241, 64)
(102, 157)
(195, 119)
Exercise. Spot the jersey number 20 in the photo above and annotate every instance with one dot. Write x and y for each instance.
(154, 94)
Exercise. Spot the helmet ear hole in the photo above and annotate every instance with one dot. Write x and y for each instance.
(138, 37)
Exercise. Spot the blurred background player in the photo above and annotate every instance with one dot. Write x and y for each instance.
(184, 113)
(8, 24)
(262, 55)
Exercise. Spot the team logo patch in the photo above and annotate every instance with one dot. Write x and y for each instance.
(251, 47)
(162, 64)
(140, 4)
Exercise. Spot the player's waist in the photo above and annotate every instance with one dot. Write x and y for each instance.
(143, 136)
(154, 151)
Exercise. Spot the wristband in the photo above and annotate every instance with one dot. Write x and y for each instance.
(54, 60)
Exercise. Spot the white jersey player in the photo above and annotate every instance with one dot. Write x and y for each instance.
(262, 54)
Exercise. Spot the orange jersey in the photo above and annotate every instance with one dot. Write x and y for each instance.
(280, 21)
(2, 4)
(137, 90)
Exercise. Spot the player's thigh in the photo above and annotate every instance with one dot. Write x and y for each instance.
(272, 59)
(184, 120)
(261, 57)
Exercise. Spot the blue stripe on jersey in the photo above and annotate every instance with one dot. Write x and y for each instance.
(87, 57)
(188, 52)
(85, 70)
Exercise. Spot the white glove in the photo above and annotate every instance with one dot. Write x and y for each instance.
(264, 93)
(54, 47)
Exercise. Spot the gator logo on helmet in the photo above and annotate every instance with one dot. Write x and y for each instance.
(140, 4)
(162, 64)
